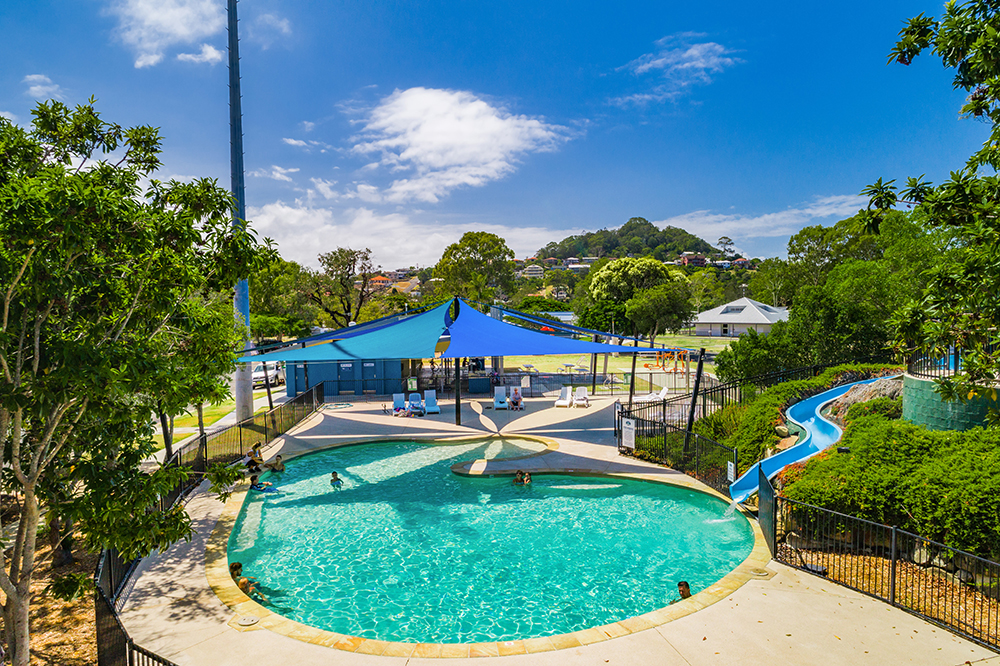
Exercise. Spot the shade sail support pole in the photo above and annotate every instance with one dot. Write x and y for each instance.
(458, 391)
(631, 381)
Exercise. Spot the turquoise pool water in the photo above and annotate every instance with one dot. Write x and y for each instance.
(408, 551)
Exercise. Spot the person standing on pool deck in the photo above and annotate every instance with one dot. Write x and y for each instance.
(336, 481)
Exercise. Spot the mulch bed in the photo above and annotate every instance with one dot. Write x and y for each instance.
(62, 633)
(922, 589)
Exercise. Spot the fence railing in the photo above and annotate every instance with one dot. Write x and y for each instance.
(697, 456)
(946, 364)
(946, 586)
(114, 646)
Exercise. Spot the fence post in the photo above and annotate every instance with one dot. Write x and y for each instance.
(203, 452)
(892, 569)
(694, 400)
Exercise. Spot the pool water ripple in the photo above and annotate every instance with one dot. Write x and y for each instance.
(408, 551)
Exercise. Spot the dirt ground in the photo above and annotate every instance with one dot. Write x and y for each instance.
(62, 633)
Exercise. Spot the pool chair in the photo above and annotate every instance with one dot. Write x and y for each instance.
(431, 402)
(654, 397)
(416, 404)
(564, 399)
(580, 398)
(500, 397)
(398, 401)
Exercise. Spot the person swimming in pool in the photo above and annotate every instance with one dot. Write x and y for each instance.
(336, 481)
(684, 590)
(277, 465)
(519, 478)
(261, 486)
(526, 480)
(246, 584)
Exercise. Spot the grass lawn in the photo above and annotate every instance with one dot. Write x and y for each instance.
(215, 412)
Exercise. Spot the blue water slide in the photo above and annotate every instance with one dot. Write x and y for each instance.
(820, 434)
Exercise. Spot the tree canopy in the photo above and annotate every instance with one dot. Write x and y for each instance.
(476, 267)
(104, 274)
(637, 237)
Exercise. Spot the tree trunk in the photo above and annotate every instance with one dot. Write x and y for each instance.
(15, 609)
(201, 418)
(168, 443)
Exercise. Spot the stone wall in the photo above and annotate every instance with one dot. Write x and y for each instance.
(922, 405)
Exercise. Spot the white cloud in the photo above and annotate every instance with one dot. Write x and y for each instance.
(680, 62)
(325, 188)
(275, 173)
(268, 28)
(9, 116)
(150, 27)
(41, 87)
(396, 239)
(446, 139)
(307, 126)
(308, 145)
(209, 54)
(709, 225)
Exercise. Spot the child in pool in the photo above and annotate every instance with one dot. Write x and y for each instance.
(264, 487)
(519, 478)
(527, 479)
(336, 481)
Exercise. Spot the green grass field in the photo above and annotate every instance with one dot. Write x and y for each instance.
(213, 413)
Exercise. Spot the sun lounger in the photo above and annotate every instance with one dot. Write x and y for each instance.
(654, 397)
(398, 401)
(564, 399)
(500, 397)
(431, 402)
(580, 398)
(416, 404)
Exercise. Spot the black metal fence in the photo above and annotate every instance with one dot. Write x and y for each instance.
(945, 364)
(708, 461)
(114, 646)
(949, 587)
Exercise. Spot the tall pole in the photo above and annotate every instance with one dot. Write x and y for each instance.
(242, 387)
(458, 391)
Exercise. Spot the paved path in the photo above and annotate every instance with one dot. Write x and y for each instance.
(789, 618)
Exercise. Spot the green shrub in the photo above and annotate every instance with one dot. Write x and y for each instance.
(943, 485)
(887, 408)
(722, 423)
(754, 434)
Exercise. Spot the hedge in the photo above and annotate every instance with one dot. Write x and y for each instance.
(944, 485)
(750, 427)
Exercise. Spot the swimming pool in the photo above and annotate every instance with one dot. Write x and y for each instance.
(408, 551)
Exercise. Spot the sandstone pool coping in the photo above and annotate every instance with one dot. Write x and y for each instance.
(222, 584)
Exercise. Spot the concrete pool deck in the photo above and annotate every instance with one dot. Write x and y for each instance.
(173, 610)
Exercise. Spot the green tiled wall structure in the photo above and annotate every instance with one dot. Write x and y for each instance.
(923, 406)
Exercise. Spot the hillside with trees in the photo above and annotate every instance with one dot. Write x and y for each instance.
(637, 238)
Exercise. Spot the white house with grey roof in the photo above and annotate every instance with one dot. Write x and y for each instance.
(740, 316)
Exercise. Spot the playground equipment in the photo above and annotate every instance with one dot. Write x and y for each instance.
(678, 356)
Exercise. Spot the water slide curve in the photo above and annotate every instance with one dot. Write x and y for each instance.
(820, 434)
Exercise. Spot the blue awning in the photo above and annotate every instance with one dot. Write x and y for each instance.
(471, 334)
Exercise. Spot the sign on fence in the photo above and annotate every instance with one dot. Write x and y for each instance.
(628, 433)
(731, 471)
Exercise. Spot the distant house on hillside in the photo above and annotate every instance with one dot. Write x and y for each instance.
(533, 271)
(380, 282)
(692, 259)
(740, 316)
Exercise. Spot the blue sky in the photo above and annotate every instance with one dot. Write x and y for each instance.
(398, 126)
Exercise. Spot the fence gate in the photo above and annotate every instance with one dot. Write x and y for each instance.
(766, 510)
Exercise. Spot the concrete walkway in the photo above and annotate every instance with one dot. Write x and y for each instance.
(789, 617)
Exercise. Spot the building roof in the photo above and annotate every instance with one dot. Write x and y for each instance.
(743, 311)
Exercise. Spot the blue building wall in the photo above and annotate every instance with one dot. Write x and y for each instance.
(372, 377)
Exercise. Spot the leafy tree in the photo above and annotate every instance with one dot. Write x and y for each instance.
(561, 278)
(771, 282)
(621, 279)
(706, 291)
(281, 290)
(97, 277)
(608, 316)
(960, 305)
(726, 246)
(637, 236)
(333, 288)
(476, 267)
(665, 307)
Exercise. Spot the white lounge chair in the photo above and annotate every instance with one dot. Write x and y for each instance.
(416, 404)
(398, 401)
(580, 398)
(431, 402)
(654, 397)
(500, 397)
(564, 399)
